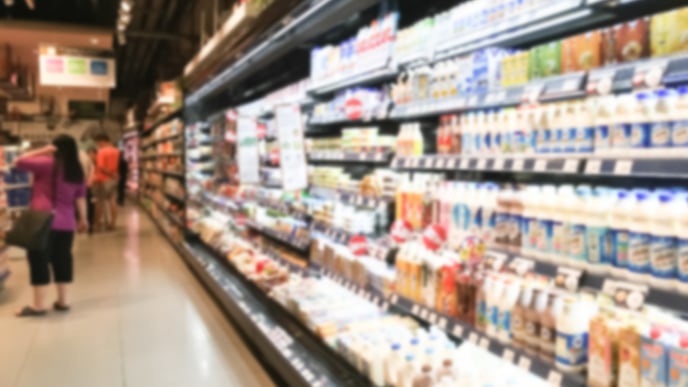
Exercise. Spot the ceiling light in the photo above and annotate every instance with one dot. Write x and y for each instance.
(126, 6)
(126, 18)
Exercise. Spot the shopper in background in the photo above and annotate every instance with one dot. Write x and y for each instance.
(122, 183)
(58, 186)
(90, 197)
(106, 178)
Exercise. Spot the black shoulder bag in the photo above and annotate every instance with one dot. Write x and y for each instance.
(31, 231)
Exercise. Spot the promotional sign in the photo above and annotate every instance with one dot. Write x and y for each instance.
(247, 151)
(58, 69)
(291, 145)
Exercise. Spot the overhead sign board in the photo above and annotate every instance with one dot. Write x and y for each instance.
(75, 70)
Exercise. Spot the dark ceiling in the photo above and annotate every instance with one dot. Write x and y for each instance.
(162, 37)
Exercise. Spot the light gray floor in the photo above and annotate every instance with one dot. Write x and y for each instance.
(139, 319)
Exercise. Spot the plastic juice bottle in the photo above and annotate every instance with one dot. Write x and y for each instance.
(532, 322)
(457, 135)
(559, 128)
(597, 231)
(519, 334)
(506, 305)
(641, 116)
(562, 222)
(619, 225)
(604, 121)
(571, 122)
(494, 293)
(572, 334)
(488, 127)
(418, 141)
(489, 206)
(502, 219)
(576, 245)
(497, 132)
(662, 124)
(393, 361)
(621, 131)
(679, 134)
(546, 222)
(481, 318)
(639, 237)
(586, 130)
(441, 136)
(406, 371)
(515, 233)
(505, 143)
(517, 133)
(531, 204)
(663, 245)
(466, 137)
(681, 211)
(548, 325)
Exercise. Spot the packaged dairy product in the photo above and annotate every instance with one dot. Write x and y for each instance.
(531, 320)
(679, 134)
(494, 294)
(664, 245)
(662, 122)
(548, 324)
(572, 334)
(519, 335)
(620, 137)
(654, 357)
(604, 355)
(571, 122)
(597, 231)
(506, 305)
(546, 221)
(619, 224)
(585, 136)
(629, 364)
(566, 201)
(558, 125)
(577, 250)
(681, 211)
(515, 209)
(604, 122)
(678, 363)
(642, 114)
(639, 236)
(406, 371)
(393, 361)
(531, 205)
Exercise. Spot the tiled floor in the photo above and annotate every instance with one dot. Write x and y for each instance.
(139, 319)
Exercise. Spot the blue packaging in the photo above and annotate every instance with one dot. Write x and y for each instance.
(621, 136)
(640, 131)
(679, 130)
(557, 141)
(569, 143)
(654, 357)
(545, 236)
(639, 244)
(661, 131)
(664, 248)
(602, 137)
(543, 141)
(586, 140)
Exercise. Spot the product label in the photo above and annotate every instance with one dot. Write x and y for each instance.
(570, 142)
(544, 236)
(477, 143)
(640, 135)
(596, 243)
(679, 135)
(621, 136)
(558, 140)
(653, 360)
(477, 220)
(482, 313)
(548, 340)
(487, 141)
(544, 140)
(620, 248)
(639, 252)
(602, 137)
(505, 322)
(576, 242)
(497, 141)
(514, 236)
(494, 317)
(559, 239)
(678, 367)
(572, 349)
(516, 324)
(533, 330)
(682, 264)
(518, 141)
(663, 256)
(661, 134)
(586, 140)
(502, 228)
(527, 225)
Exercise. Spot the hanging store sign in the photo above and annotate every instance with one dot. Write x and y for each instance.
(75, 70)
(291, 147)
(247, 151)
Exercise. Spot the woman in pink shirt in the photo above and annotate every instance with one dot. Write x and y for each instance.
(58, 186)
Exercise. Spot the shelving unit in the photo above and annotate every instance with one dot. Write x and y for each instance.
(215, 193)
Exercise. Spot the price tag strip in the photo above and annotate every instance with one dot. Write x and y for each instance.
(625, 294)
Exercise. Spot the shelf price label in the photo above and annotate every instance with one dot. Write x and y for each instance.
(540, 165)
(484, 343)
(458, 331)
(554, 378)
(473, 338)
(508, 355)
(524, 363)
(465, 163)
(593, 167)
(518, 165)
(571, 166)
(498, 164)
(623, 167)
(482, 163)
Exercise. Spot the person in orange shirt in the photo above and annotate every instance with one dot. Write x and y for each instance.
(105, 180)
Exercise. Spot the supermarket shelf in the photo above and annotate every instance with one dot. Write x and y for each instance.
(365, 78)
(333, 233)
(300, 245)
(171, 154)
(298, 356)
(284, 207)
(177, 198)
(459, 330)
(650, 164)
(380, 114)
(177, 113)
(162, 230)
(666, 297)
(556, 163)
(351, 157)
(355, 199)
(160, 140)
(168, 173)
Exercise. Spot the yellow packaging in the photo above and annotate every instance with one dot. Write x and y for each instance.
(669, 32)
(603, 352)
(629, 359)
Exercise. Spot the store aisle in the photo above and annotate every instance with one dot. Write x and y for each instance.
(139, 319)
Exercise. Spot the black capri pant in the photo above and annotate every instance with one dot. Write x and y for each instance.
(58, 256)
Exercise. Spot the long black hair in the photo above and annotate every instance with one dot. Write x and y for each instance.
(67, 159)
